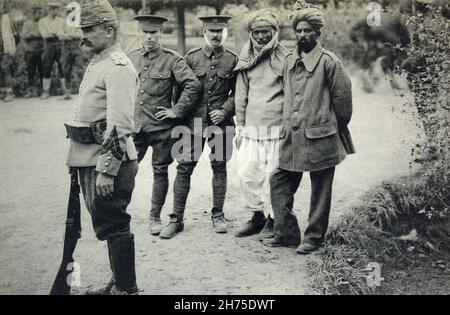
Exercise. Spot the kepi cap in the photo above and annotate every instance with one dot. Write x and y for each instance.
(97, 12)
(151, 22)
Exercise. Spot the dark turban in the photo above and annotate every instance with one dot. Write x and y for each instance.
(311, 15)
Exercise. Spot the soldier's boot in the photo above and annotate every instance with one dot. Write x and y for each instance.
(2, 93)
(9, 95)
(268, 230)
(29, 93)
(155, 225)
(175, 226)
(67, 94)
(46, 92)
(123, 258)
(219, 222)
(254, 226)
(104, 290)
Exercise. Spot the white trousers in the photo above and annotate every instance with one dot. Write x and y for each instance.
(257, 159)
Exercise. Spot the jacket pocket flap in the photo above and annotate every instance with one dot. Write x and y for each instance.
(160, 75)
(224, 74)
(322, 131)
(199, 73)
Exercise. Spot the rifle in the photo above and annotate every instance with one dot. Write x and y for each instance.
(63, 281)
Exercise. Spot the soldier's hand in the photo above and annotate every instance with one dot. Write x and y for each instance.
(165, 113)
(105, 185)
(239, 137)
(217, 116)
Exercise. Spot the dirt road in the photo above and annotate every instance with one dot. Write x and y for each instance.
(33, 200)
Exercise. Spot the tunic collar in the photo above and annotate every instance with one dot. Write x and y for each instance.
(151, 54)
(217, 52)
(310, 61)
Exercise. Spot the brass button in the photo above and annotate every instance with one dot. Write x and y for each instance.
(143, 80)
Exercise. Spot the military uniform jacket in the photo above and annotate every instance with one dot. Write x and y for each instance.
(108, 91)
(317, 109)
(161, 73)
(215, 70)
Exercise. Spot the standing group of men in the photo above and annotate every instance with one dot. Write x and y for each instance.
(47, 39)
(292, 112)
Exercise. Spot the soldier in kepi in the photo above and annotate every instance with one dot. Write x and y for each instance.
(34, 47)
(71, 53)
(317, 111)
(49, 27)
(107, 164)
(213, 65)
(161, 71)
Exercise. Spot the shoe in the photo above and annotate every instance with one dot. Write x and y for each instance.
(45, 96)
(279, 242)
(29, 94)
(155, 226)
(105, 290)
(116, 291)
(9, 97)
(254, 226)
(219, 222)
(268, 230)
(174, 227)
(307, 248)
(67, 96)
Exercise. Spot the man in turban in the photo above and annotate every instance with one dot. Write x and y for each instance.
(317, 110)
(259, 108)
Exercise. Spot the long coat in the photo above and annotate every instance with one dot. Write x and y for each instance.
(317, 109)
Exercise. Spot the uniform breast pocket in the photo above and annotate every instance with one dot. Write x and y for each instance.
(322, 142)
(201, 74)
(159, 83)
(224, 79)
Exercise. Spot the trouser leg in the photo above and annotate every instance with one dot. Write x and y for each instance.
(187, 161)
(319, 214)
(284, 185)
(161, 143)
(251, 175)
(111, 221)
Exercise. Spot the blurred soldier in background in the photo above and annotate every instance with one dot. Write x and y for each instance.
(71, 54)
(161, 71)
(213, 65)
(7, 52)
(49, 27)
(34, 47)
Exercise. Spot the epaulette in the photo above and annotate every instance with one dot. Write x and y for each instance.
(231, 52)
(119, 58)
(194, 50)
(173, 52)
(331, 55)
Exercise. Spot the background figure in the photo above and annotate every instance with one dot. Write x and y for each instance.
(49, 27)
(7, 53)
(34, 47)
(71, 54)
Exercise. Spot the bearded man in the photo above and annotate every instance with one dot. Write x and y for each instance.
(259, 109)
(317, 110)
